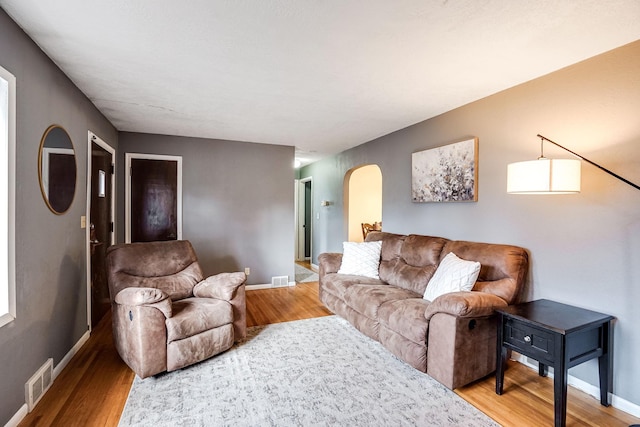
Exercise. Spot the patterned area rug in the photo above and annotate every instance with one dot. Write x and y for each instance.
(304, 275)
(314, 372)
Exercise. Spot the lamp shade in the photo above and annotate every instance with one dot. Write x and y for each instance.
(544, 176)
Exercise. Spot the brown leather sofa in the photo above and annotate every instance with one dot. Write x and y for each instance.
(453, 337)
(165, 316)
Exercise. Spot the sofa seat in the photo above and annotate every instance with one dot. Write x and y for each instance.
(404, 329)
(192, 316)
(406, 318)
(367, 299)
(337, 284)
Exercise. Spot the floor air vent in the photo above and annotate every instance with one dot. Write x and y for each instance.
(38, 384)
(279, 281)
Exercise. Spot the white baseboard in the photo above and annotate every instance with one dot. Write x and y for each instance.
(265, 286)
(67, 358)
(24, 409)
(315, 267)
(19, 416)
(262, 286)
(616, 401)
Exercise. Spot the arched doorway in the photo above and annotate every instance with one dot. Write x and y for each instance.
(363, 199)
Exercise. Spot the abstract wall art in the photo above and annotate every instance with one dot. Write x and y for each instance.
(446, 174)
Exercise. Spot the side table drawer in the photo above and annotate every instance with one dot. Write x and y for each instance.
(529, 340)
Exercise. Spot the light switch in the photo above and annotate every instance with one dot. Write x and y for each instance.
(83, 221)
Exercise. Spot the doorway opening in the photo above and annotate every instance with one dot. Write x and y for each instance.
(362, 190)
(304, 219)
(153, 199)
(100, 227)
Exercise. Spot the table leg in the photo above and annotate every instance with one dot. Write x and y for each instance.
(501, 356)
(604, 364)
(543, 369)
(560, 384)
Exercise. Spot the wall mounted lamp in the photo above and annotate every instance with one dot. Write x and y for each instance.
(550, 176)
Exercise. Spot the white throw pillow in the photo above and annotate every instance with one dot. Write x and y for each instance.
(361, 259)
(452, 275)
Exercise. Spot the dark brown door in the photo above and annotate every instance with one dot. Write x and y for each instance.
(101, 229)
(154, 200)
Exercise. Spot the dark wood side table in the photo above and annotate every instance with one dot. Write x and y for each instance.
(557, 335)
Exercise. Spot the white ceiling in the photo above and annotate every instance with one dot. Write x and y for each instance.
(323, 76)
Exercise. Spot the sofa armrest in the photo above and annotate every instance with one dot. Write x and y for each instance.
(145, 297)
(465, 304)
(221, 286)
(329, 263)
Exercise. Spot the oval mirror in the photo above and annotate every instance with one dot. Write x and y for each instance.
(57, 169)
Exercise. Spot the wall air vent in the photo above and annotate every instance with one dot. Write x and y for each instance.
(279, 281)
(38, 384)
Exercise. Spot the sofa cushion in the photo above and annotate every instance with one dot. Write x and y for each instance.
(414, 263)
(504, 267)
(453, 275)
(362, 259)
(415, 354)
(192, 316)
(391, 245)
(366, 299)
(336, 284)
(406, 318)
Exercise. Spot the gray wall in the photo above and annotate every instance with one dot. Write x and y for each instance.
(584, 248)
(51, 290)
(238, 201)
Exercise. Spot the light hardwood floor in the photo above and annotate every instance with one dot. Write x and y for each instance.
(93, 388)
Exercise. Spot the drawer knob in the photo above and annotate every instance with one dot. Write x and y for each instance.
(527, 338)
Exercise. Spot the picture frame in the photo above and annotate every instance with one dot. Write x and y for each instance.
(448, 173)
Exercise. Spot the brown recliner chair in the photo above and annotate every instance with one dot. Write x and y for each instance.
(165, 316)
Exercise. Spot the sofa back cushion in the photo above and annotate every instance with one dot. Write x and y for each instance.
(503, 270)
(408, 261)
(169, 266)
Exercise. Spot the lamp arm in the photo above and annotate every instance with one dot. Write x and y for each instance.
(637, 187)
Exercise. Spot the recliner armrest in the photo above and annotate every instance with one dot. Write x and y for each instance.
(220, 286)
(228, 287)
(329, 263)
(465, 304)
(148, 297)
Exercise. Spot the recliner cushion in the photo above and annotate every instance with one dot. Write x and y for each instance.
(178, 286)
(170, 266)
(192, 316)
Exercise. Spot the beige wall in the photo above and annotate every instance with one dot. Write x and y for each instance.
(365, 199)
